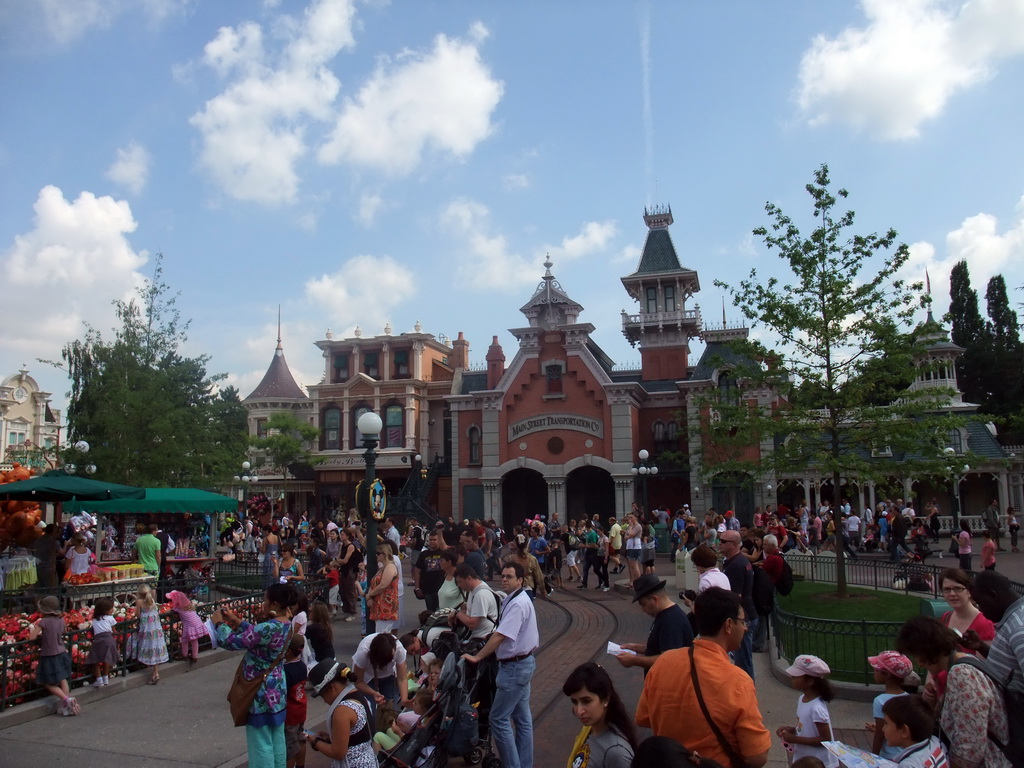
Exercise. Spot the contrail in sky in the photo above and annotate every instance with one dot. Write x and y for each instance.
(645, 62)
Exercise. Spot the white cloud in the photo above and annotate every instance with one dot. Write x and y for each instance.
(253, 132)
(486, 261)
(131, 168)
(441, 100)
(67, 20)
(904, 66)
(67, 270)
(516, 181)
(977, 240)
(369, 207)
(630, 254)
(364, 290)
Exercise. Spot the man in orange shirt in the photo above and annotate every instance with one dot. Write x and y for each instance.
(669, 705)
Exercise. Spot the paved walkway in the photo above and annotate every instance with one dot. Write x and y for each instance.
(184, 720)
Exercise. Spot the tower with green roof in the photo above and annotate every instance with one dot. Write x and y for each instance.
(663, 288)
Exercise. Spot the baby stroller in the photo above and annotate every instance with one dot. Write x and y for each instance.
(451, 726)
(913, 575)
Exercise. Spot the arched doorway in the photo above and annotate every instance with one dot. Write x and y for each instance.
(589, 491)
(523, 495)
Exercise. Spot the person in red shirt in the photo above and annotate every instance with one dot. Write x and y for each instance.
(295, 702)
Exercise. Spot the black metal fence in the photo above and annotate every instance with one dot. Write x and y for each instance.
(18, 660)
(846, 643)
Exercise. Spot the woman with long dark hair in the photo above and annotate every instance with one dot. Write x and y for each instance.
(608, 737)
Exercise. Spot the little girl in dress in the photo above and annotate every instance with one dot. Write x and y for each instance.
(151, 645)
(103, 653)
(192, 627)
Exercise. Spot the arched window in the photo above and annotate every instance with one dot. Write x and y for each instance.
(728, 392)
(659, 431)
(357, 437)
(652, 300)
(473, 436)
(330, 435)
(394, 422)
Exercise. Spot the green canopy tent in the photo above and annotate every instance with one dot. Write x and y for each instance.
(159, 501)
(58, 485)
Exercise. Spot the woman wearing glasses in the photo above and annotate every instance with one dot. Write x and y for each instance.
(964, 615)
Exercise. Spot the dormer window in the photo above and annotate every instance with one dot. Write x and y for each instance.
(955, 440)
(728, 391)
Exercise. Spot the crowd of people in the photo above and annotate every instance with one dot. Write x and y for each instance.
(698, 697)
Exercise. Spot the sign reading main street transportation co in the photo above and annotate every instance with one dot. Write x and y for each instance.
(573, 421)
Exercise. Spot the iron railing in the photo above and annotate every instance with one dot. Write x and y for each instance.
(19, 659)
(845, 644)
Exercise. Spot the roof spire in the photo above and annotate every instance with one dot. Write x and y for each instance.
(928, 293)
(279, 347)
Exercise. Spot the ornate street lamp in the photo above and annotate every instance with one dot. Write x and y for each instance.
(369, 426)
(245, 480)
(957, 476)
(644, 469)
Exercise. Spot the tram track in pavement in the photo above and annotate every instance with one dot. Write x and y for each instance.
(586, 624)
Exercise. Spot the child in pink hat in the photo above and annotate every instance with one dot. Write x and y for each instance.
(896, 672)
(813, 724)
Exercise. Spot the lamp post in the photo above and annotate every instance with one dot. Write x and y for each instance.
(957, 475)
(245, 480)
(71, 468)
(644, 468)
(369, 426)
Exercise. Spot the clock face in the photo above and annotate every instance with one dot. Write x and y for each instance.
(20, 394)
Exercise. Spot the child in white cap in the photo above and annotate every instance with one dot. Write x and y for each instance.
(813, 724)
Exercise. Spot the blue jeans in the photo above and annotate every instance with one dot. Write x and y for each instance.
(511, 709)
(743, 656)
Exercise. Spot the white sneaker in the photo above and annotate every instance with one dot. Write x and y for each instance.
(604, 589)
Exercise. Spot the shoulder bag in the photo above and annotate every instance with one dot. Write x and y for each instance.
(242, 692)
(735, 760)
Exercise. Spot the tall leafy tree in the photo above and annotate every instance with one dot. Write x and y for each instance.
(843, 325)
(287, 441)
(151, 415)
(969, 331)
(1005, 372)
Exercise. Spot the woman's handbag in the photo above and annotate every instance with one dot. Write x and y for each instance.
(242, 691)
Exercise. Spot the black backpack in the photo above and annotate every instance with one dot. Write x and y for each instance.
(1012, 691)
(763, 593)
(785, 585)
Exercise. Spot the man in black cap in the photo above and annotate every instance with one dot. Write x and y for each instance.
(671, 628)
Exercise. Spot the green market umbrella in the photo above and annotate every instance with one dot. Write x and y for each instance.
(157, 501)
(58, 485)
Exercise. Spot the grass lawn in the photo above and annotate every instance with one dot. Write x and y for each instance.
(843, 632)
(820, 601)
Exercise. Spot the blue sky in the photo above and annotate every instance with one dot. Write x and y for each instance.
(364, 163)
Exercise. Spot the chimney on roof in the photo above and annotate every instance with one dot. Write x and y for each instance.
(460, 352)
(495, 363)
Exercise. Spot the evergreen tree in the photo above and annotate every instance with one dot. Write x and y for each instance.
(150, 415)
(1005, 373)
(287, 441)
(969, 331)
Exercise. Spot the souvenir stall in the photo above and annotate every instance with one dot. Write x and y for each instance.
(22, 499)
(187, 515)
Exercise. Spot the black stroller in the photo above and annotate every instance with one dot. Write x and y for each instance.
(452, 726)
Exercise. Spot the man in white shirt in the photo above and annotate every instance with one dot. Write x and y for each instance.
(480, 613)
(853, 531)
(514, 642)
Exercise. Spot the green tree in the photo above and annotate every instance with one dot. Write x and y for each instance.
(843, 326)
(150, 415)
(287, 441)
(969, 331)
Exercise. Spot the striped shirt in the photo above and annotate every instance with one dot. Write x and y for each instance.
(1006, 654)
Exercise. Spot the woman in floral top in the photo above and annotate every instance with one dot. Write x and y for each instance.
(263, 644)
(972, 707)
